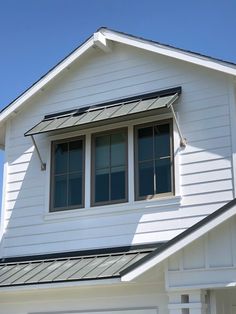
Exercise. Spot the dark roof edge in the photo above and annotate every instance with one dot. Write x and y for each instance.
(60, 255)
(181, 236)
(58, 282)
(160, 93)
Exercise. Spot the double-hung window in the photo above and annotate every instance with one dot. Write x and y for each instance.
(153, 160)
(67, 178)
(109, 167)
(153, 167)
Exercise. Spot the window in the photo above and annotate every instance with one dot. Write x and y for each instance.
(109, 167)
(67, 174)
(153, 156)
(153, 160)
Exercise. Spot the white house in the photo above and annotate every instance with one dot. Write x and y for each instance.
(119, 184)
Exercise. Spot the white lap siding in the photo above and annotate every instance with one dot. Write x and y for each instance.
(203, 168)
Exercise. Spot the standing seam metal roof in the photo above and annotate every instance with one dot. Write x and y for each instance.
(67, 269)
(107, 113)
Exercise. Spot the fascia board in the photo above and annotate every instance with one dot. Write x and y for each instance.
(178, 245)
(60, 285)
(169, 52)
(51, 75)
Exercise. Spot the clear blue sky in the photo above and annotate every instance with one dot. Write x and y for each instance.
(36, 34)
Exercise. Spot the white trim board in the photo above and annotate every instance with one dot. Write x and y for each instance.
(107, 311)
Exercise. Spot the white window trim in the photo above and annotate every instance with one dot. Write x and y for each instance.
(172, 201)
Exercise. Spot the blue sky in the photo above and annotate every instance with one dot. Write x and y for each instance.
(36, 34)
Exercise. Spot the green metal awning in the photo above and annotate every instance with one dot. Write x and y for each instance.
(103, 264)
(140, 106)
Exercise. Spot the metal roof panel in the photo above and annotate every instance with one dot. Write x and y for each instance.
(104, 113)
(81, 267)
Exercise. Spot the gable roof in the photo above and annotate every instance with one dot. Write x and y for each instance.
(180, 241)
(101, 39)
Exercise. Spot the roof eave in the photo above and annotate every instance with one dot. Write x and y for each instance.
(106, 34)
(61, 285)
(172, 52)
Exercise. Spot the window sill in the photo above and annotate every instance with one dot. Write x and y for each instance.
(161, 203)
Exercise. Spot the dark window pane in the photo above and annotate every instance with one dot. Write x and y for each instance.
(102, 146)
(117, 183)
(61, 158)
(162, 140)
(146, 179)
(75, 155)
(163, 175)
(145, 144)
(118, 148)
(75, 189)
(60, 191)
(102, 185)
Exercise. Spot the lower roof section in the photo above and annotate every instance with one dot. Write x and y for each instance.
(124, 263)
(70, 267)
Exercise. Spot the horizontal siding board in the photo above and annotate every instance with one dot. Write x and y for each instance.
(40, 234)
(53, 247)
(207, 187)
(207, 145)
(23, 185)
(209, 133)
(196, 115)
(24, 193)
(218, 196)
(205, 156)
(210, 165)
(22, 203)
(208, 176)
(206, 124)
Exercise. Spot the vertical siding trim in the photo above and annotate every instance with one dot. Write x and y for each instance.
(232, 108)
(176, 158)
(4, 188)
(212, 302)
(166, 274)
(206, 251)
(232, 238)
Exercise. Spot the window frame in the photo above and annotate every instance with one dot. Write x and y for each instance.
(53, 209)
(92, 163)
(136, 169)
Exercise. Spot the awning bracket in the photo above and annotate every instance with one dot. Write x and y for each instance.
(183, 141)
(43, 165)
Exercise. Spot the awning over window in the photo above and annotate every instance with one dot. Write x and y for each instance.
(103, 264)
(140, 106)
